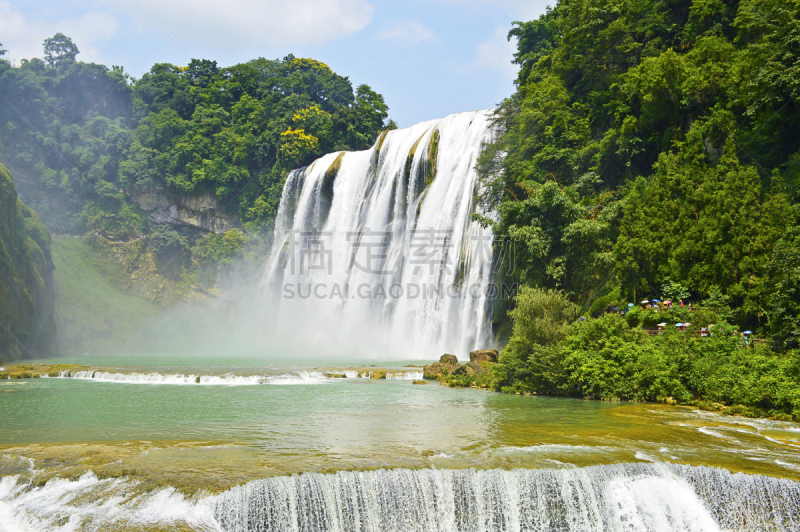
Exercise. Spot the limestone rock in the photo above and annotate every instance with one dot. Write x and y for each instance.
(448, 360)
(447, 363)
(201, 211)
(484, 355)
(473, 368)
(460, 370)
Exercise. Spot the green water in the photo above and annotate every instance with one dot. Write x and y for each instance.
(215, 436)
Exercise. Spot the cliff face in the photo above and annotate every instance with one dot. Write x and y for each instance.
(201, 212)
(27, 301)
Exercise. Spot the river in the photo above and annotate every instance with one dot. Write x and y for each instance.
(144, 445)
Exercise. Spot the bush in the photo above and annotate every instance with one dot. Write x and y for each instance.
(220, 247)
(541, 316)
(167, 243)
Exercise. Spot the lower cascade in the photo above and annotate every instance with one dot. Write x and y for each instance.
(379, 247)
(657, 497)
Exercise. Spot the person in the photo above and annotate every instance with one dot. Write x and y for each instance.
(691, 307)
(681, 303)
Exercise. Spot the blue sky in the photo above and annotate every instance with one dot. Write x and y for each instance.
(429, 58)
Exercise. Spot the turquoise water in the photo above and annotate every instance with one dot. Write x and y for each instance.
(119, 423)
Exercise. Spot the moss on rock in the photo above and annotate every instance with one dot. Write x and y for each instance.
(27, 301)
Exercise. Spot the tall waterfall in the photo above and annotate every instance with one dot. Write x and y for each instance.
(375, 253)
(646, 497)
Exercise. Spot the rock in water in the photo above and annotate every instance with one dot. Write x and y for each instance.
(447, 364)
(448, 360)
(484, 355)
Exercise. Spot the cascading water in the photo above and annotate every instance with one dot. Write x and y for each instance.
(622, 497)
(375, 252)
(651, 497)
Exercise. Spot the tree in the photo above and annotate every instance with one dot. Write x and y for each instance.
(59, 49)
(2, 50)
(541, 316)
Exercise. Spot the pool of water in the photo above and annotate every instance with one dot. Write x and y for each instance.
(207, 436)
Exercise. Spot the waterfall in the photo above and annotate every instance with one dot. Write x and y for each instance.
(375, 252)
(655, 497)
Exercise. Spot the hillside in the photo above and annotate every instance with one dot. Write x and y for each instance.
(27, 324)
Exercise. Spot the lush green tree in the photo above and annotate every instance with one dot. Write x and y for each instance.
(654, 136)
(784, 293)
(86, 136)
(59, 49)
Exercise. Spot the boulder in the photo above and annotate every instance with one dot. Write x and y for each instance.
(484, 355)
(448, 360)
(447, 363)
(460, 370)
(473, 368)
(419, 382)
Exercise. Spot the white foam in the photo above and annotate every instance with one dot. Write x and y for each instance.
(551, 448)
(90, 503)
(179, 379)
(404, 375)
(622, 497)
(658, 503)
(708, 431)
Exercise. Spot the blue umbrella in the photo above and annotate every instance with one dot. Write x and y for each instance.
(630, 304)
(679, 324)
(656, 300)
(748, 332)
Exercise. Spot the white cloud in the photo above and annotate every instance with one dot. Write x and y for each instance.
(235, 24)
(496, 54)
(521, 9)
(412, 33)
(23, 37)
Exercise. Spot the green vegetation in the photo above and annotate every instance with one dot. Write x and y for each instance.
(85, 140)
(613, 358)
(27, 326)
(85, 136)
(98, 303)
(654, 142)
(650, 150)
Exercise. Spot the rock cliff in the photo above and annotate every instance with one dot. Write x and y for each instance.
(27, 301)
(201, 211)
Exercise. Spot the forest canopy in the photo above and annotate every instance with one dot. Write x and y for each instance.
(654, 142)
(80, 137)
